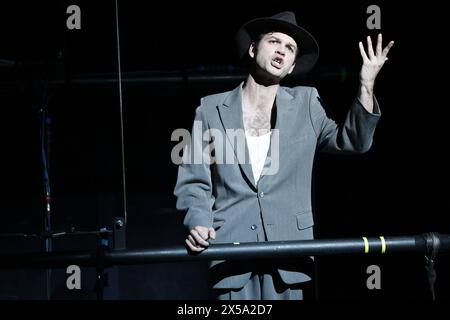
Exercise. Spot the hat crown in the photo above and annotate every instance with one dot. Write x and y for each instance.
(287, 16)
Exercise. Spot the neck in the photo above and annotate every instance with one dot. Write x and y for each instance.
(257, 94)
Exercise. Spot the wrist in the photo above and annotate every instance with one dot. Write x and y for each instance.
(367, 86)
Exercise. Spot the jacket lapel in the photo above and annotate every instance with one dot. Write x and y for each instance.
(232, 120)
(284, 112)
(282, 128)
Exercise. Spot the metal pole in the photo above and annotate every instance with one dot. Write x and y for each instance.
(236, 251)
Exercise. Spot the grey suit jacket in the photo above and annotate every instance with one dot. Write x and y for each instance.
(278, 207)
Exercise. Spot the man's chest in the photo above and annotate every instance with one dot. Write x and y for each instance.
(257, 121)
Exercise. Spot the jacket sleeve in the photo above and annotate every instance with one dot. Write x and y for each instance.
(355, 135)
(193, 187)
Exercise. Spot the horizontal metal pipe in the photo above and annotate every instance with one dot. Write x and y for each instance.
(236, 251)
(160, 79)
(153, 80)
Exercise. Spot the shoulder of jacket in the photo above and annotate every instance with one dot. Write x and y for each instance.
(210, 102)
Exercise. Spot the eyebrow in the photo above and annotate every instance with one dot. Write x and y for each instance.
(289, 44)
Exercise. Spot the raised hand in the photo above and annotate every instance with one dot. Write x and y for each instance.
(372, 61)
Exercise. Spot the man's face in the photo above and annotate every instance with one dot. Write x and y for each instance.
(275, 54)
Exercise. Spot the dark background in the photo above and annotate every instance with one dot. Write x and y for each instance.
(398, 188)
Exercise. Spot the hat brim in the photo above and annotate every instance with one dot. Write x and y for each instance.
(306, 43)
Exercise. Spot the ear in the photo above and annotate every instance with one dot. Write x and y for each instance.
(292, 68)
(252, 50)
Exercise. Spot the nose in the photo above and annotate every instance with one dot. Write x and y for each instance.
(280, 51)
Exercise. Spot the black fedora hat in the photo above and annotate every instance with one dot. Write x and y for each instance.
(284, 22)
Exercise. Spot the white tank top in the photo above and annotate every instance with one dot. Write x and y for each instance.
(257, 149)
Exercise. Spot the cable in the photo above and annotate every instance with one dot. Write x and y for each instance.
(45, 137)
(121, 115)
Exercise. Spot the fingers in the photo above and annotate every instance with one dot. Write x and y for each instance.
(379, 42)
(388, 47)
(212, 233)
(380, 53)
(197, 238)
(192, 246)
(370, 52)
(363, 52)
(200, 236)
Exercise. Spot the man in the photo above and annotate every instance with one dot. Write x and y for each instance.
(244, 201)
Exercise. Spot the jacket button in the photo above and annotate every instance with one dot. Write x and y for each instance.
(253, 227)
(261, 195)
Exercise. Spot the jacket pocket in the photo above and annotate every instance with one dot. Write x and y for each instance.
(218, 224)
(305, 220)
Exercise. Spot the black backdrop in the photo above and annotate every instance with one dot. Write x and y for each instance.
(398, 188)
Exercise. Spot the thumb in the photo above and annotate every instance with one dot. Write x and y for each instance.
(212, 233)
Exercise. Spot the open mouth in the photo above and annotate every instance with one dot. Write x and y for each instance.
(277, 62)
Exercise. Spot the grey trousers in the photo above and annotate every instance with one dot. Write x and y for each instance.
(267, 286)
